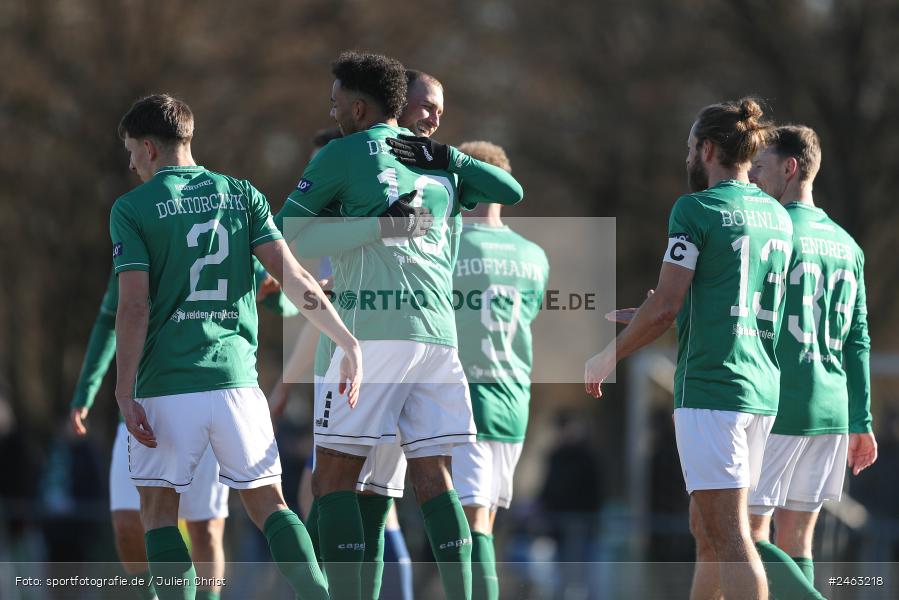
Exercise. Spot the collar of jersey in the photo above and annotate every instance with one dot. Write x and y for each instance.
(485, 227)
(805, 205)
(733, 182)
(176, 169)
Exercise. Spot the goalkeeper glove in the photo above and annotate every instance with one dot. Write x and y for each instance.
(421, 152)
(402, 219)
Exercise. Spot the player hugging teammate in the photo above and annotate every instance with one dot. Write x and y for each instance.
(772, 390)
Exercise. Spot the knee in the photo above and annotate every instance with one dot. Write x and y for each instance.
(793, 544)
(705, 551)
(207, 533)
(759, 528)
(127, 524)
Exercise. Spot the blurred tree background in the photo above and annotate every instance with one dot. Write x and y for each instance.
(592, 100)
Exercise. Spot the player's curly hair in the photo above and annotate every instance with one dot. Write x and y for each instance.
(799, 142)
(487, 152)
(736, 127)
(161, 116)
(381, 78)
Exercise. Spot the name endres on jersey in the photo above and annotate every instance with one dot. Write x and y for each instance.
(756, 218)
(499, 266)
(822, 247)
(199, 204)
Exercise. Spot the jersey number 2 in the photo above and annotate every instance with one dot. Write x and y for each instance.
(216, 258)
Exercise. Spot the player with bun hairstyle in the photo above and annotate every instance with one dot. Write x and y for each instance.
(722, 280)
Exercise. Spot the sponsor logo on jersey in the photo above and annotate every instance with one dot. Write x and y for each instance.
(187, 188)
(117, 249)
(304, 185)
(203, 315)
(459, 160)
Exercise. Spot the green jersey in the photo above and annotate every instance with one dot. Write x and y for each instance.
(498, 289)
(194, 232)
(824, 347)
(738, 240)
(390, 289)
(101, 346)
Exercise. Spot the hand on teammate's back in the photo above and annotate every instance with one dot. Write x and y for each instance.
(862, 451)
(421, 152)
(136, 422)
(401, 219)
(351, 373)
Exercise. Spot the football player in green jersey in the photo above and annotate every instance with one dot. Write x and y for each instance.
(413, 341)
(204, 506)
(186, 327)
(722, 278)
(824, 417)
(384, 472)
(506, 275)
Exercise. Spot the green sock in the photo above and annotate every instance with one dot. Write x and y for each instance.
(450, 538)
(208, 595)
(342, 542)
(170, 564)
(484, 582)
(146, 591)
(290, 547)
(785, 578)
(374, 510)
(312, 527)
(807, 566)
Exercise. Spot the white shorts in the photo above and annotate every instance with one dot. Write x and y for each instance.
(384, 471)
(720, 449)
(483, 471)
(420, 396)
(235, 422)
(800, 470)
(206, 498)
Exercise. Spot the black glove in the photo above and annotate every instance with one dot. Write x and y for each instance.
(404, 220)
(421, 152)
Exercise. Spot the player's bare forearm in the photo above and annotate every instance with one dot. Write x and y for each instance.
(132, 316)
(653, 318)
(658, 311)
(131, 334)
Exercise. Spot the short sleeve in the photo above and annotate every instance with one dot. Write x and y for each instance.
(262, 225)
(321, 183)
(687, 232)
(129, 252)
